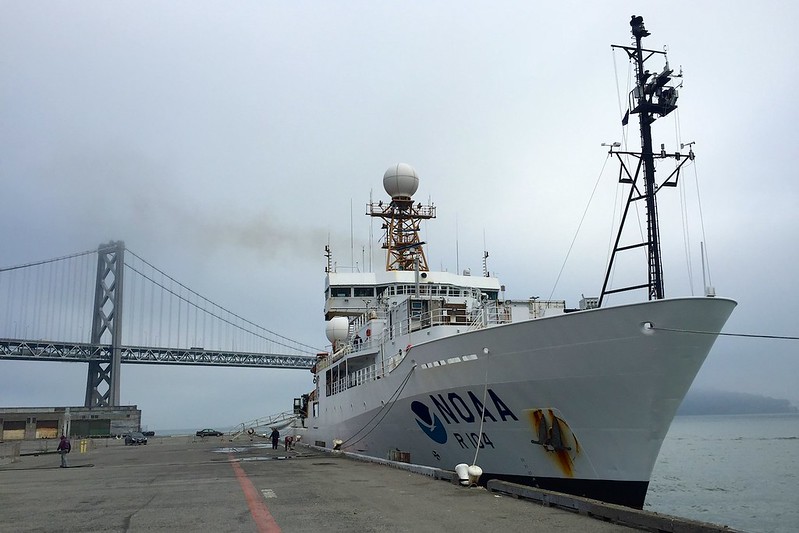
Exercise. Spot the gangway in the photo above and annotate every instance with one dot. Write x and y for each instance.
(258, 426)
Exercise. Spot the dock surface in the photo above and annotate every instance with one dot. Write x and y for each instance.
(188, 483)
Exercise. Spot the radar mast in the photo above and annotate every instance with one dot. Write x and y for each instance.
(401, 219)
(651, 99)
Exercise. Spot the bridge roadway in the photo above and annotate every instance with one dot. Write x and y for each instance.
(27, 350)
(193, 484)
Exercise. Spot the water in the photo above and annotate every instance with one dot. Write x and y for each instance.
(175, 432)
(741, 471)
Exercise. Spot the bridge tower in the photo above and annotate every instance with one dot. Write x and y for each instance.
(102, 383)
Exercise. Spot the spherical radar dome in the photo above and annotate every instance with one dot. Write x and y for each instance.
(337, 328)
(400, 181)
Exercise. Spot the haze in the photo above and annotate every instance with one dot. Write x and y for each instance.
(227, 143)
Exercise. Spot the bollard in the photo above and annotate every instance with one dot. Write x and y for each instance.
(462, 471)
(83, 445)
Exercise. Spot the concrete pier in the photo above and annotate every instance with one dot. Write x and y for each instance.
(188, 483)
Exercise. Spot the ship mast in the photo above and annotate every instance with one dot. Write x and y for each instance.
(402, 219)
(651, 99)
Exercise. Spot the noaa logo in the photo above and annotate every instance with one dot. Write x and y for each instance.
(430, 424)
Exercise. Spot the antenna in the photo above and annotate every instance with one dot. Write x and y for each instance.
(710, 291)
(457, 255)
(371, 234)
(651, 99)
(702, 249)
(329, 256)
(485, 255)
(352, 238)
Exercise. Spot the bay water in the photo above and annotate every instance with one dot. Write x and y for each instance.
(736, 470)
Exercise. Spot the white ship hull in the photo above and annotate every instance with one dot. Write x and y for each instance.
(606, 381)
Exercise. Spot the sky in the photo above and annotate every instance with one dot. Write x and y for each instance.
(228, 142)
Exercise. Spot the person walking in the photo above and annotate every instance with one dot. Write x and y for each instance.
(64, 448)
(275, 438)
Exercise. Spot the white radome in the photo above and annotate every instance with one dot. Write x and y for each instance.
(337, 328)
(400, 181)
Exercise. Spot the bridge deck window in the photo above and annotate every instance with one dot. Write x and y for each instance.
(340, 292)
(363, 291)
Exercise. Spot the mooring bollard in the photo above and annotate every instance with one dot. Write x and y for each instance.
(83, 445)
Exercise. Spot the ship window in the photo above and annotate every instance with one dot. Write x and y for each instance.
(364, 291)
(492, 295)
(381, 290)
(339, 292)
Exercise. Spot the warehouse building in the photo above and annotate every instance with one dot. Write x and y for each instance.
(27, 423)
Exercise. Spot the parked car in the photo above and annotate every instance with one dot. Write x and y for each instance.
(135, 438)
(208, 432)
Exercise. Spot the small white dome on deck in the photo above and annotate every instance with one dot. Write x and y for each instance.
(400, 181)
(337, 328)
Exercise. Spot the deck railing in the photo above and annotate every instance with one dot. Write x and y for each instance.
(492, 313)
(367, 374)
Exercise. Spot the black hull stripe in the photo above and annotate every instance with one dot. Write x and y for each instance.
(627, 493)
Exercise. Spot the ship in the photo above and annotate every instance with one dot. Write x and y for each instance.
(442, 369)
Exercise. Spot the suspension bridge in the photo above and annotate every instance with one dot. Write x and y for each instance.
(71, 309)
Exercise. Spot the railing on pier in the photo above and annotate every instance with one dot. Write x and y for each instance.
(251, 427)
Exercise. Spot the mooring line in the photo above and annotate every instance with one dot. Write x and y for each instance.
(750, 335)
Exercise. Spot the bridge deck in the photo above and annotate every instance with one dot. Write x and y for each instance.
(26, 350)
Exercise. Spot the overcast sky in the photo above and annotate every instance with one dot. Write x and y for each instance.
(225, 142)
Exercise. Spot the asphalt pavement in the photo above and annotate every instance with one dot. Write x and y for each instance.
(189, 484)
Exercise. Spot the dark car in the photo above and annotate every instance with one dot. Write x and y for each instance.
(209, 433)
(135, 438)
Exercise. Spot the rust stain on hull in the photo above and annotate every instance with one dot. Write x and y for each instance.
(553, 433)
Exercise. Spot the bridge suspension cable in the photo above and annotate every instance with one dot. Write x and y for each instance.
(46, 261)
(218, 312)
(48, 299)
(50, 309)
(53, 301)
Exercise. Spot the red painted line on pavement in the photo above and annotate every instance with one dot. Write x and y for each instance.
(258, 509)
